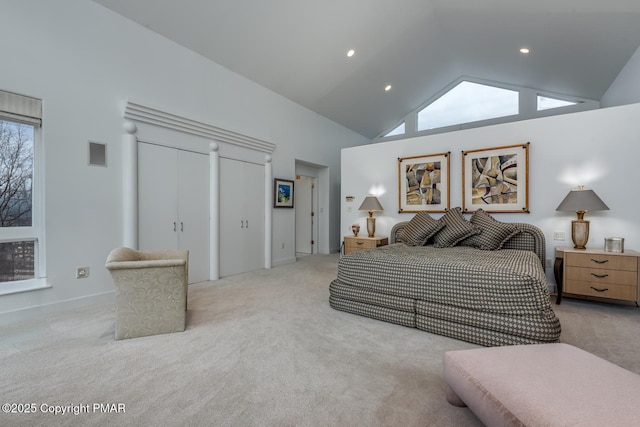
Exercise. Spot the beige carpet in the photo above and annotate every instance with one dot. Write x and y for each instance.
(261, 349)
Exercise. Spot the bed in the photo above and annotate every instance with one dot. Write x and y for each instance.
(488, 297)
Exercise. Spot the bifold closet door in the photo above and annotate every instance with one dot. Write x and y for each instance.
(193, 212)
(241, 217)
(157, 196)
(173, 204)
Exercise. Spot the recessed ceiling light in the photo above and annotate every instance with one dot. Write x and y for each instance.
(351, 52)
(387, 88)
(524, 50)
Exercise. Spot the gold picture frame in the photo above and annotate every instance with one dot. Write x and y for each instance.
(496, 179)
(423, 183)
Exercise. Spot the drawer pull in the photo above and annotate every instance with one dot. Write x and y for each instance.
(600, 290)
(604, 261)
(359, 243)
(599, 276)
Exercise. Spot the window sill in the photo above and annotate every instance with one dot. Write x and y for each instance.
(9, 288)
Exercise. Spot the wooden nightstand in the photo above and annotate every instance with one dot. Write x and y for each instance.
(596, 273)
(355, 244)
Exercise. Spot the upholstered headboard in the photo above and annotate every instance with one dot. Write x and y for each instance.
(531, 238)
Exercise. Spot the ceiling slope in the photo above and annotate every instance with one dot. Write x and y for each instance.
(297, 48)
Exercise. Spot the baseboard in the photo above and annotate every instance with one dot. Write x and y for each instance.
(46, 310)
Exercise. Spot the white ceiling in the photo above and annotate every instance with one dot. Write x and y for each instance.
(297, 48)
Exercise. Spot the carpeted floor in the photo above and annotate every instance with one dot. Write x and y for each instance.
(261, 349)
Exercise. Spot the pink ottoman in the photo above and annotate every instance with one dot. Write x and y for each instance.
(542, 385)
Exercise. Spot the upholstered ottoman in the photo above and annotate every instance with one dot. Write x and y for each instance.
(542, 385)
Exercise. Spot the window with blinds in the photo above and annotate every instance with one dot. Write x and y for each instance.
(20, 222)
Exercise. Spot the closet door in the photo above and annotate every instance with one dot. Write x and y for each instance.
(157, 196)
(254, 214)
(241, 217)
(193, 212)
(173, 204)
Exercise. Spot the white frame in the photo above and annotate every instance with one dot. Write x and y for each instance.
(36, 231)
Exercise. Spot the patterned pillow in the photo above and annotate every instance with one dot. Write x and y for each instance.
(494, 233)
(456, 229)
(419, 229)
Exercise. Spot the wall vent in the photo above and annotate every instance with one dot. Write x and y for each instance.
(97, 154)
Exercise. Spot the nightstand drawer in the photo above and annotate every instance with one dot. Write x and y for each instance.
(629, 293)
(602, 261)
(356, 243)
(601, 275)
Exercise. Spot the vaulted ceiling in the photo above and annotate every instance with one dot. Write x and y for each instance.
(298, 48)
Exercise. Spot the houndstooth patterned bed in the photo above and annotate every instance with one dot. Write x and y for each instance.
(485, 297)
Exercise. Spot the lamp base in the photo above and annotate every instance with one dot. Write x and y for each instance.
(580, 233)
(371, 226)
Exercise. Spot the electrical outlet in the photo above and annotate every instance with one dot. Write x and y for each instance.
(283, 246)
(547, 263)
(348, 208)
(559, 235)
(82, 272)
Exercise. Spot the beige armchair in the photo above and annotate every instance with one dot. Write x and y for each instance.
(151, 291)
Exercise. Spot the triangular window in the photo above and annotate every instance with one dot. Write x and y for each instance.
(547, 103)
(468, 102)
(397, 131)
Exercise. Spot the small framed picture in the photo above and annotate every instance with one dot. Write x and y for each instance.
(283, 193)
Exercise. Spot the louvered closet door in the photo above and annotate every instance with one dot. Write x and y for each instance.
(241, 217)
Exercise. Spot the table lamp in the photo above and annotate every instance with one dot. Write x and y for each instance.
(371, 203)
(581, 201)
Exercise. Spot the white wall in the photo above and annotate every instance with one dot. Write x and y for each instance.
(85, 61)
(626, 87)
(599, 149)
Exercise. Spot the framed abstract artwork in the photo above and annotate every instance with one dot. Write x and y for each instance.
(283, 193)
(423, 183)
(496, 179)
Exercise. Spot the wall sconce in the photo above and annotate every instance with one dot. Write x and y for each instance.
(581, 201)
(371, 204)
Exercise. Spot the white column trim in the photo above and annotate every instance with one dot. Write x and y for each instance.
(130, 186)
(214, 212)
(268, 191)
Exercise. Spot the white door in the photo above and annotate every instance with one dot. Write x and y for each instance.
(241, 217)
(193, 212)
(254, 214)
(173, 204)
(157, 196)
(305, 215)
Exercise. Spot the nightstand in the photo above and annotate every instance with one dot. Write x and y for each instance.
(596, 273)
(355, 244)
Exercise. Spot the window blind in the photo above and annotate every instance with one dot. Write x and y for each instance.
(20, 108)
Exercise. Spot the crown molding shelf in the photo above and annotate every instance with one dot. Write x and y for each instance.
(149, 115)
